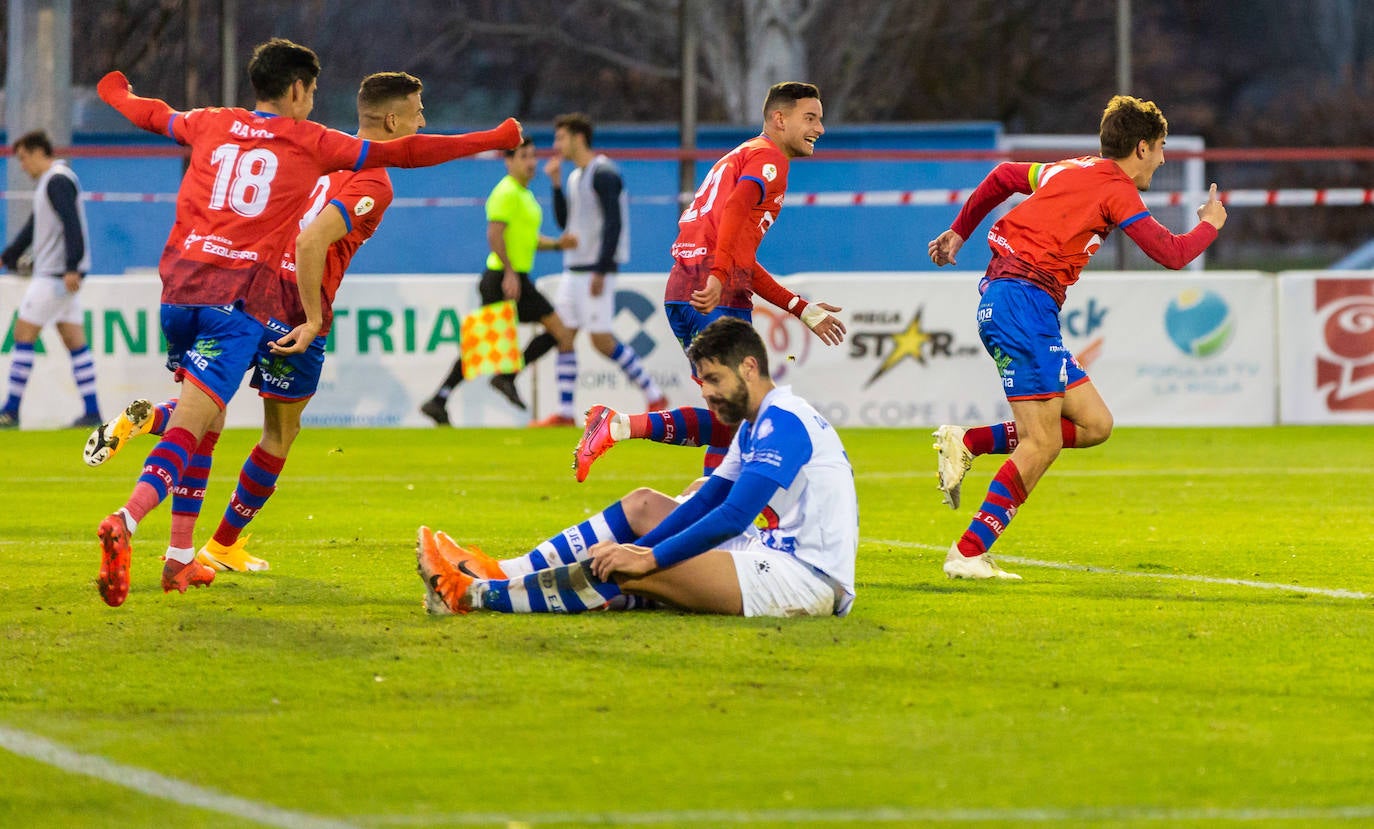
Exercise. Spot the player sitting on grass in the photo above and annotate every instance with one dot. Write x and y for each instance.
(786, 464)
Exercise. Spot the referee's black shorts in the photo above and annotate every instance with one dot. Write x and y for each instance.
(532, 305)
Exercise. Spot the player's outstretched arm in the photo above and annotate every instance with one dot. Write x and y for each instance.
(422, 150)
(151, 114)
(1172, 250)
(815, 315)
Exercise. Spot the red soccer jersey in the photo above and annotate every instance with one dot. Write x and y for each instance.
(362, 198)
(758, 160)
(1073, 205)
(250, 177)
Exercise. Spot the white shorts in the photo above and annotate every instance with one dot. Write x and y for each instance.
(579, 309)
(776, 584)
(47, 301)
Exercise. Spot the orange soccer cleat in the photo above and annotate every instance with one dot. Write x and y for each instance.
(596, 440)
(177, 576)
(470, 561)
(115, 555)
(445, 586)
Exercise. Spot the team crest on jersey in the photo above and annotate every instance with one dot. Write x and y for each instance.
(364, 206)
(770, 171)
(764, 430)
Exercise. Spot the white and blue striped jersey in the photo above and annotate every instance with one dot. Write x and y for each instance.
(814, 514)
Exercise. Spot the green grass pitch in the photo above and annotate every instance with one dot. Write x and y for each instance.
(1155, 668)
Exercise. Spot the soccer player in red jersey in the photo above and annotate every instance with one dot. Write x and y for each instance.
(250, 177)
(716, 271)
(1039, 248)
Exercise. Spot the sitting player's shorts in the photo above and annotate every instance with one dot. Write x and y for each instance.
(776, 584)
(211, 345)
(532, 306)
(47, 300)
(687, 322)
(1019, 326)
(288, 377)
(579, 309)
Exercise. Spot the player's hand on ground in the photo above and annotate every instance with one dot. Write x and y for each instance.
(510, 285)
(943, 248)
(598, 284)
(827, 327)
(297, 341)
(708, 297)
(610, 559)
(1213, 211)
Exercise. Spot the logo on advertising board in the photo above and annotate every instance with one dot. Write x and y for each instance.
(1199, 322)
(641, 309)
(894, 346)
(1083, 323)
(1345, 355)
(787, 338)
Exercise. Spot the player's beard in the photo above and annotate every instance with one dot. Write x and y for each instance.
(731, 408)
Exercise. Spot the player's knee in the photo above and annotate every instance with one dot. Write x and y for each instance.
(644, 508)
(1095, 430)
(604, 343)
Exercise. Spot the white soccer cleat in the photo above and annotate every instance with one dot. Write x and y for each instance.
(108, 438)
(960, 566)
(954, 461)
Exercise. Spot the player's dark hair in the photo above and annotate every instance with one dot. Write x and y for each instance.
(576, 123)
(35, 140)
(279, 63)
(786, 94)
(528, 142)
(384, 87)
(728, 341)
(1126, 122)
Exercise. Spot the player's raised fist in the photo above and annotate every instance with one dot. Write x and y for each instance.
(113, 84)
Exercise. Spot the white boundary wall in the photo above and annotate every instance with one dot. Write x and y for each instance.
(912, 357)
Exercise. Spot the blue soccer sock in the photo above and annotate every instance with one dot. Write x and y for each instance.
(188, 493)
(566, 376)
(683, 426)
(21, 366)
(571, 545)
(1005, 496)
(568, 588)
(628, 360)
(83, 371)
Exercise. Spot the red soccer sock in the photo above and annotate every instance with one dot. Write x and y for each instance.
(1069, 431)
(1005, 496)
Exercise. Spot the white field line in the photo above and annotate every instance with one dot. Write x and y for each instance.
(877, 815)
(156, 785)
(1331, 592)
(187, 794)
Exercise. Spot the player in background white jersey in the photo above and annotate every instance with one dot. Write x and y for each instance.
(707, 554)
(591, 206)
(56, 232)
